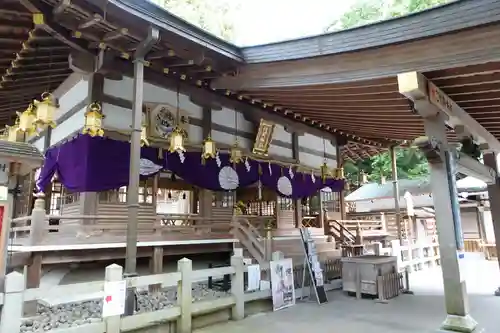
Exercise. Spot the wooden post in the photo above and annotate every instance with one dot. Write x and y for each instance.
(156, 266)
(113, 272)
(184, 295)
(33, 277)
(237, 286)
(12, 311)
(340, 163)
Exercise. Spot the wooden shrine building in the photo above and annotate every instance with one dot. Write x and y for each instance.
(160, 133)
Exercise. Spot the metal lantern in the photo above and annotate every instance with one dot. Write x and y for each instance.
(177, 141)
(45, 110)
(13, 134)
(144, 136)
(93, 120)
(364, 177)
(209, 150)
(27, 121)
(339, 173)
(236, 155)
(324, 171)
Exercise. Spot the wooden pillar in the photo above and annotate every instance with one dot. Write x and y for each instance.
(490, 159)
(205, 196)
(33, 278)
(297, 203)
(156, 266)
(340, 164)
(154, 197)
(396, 195)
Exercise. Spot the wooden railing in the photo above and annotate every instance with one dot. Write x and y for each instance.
(184, 312)
(37, 229)
(250, 238)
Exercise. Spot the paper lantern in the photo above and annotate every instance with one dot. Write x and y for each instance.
(45, 110)
(93, 120)
(27, 121)
(177, 141)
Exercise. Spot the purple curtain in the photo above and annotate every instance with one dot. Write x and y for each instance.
(87, 164)
(90, 164)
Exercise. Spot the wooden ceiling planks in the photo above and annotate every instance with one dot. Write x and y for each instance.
(31, 61)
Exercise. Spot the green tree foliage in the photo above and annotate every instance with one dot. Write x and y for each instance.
(410, 163)
(364, 12)
(212, 16)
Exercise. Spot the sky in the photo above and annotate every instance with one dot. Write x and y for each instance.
(266, 21)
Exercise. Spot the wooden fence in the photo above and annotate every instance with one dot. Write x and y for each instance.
(411, 257)
(179, 317)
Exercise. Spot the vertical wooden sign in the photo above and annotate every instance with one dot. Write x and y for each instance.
(263, 138)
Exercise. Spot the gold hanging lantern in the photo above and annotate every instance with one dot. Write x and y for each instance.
(363, 178)
(45, 110)
(209, 150)
(27, 121)
(177, 141)
(339, 173)
(324, 171)
(236, 154)
(93, 120)
(13, 134)
(144, 135)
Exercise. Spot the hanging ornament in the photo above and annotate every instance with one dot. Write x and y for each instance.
(176, 141)
(13, 134)
(363, 177)
(209, 150)
(290, 172)
(144, 136)
(93, 120)
(45, 110)
(4, 134)
(27, 121)
(169, 195)
(338, 173)
(184, 195)
(236, 155)
(324, 171)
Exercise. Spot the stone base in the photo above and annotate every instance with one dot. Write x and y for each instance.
(462, 324)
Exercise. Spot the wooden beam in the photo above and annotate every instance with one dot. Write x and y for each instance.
(466, 47)
(43, 18)
(429, 100)
(92, 20)
(61, 7)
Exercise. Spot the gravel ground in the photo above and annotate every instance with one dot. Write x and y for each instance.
(75, 314)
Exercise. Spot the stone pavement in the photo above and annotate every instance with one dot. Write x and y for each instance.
(422, 312)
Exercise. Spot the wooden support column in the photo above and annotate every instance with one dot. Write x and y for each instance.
(156, 266)
(340, 164)
(33, 276)
(205, 196)
(297, 203)
(396, 194)
(89, 200)
(490, 159)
